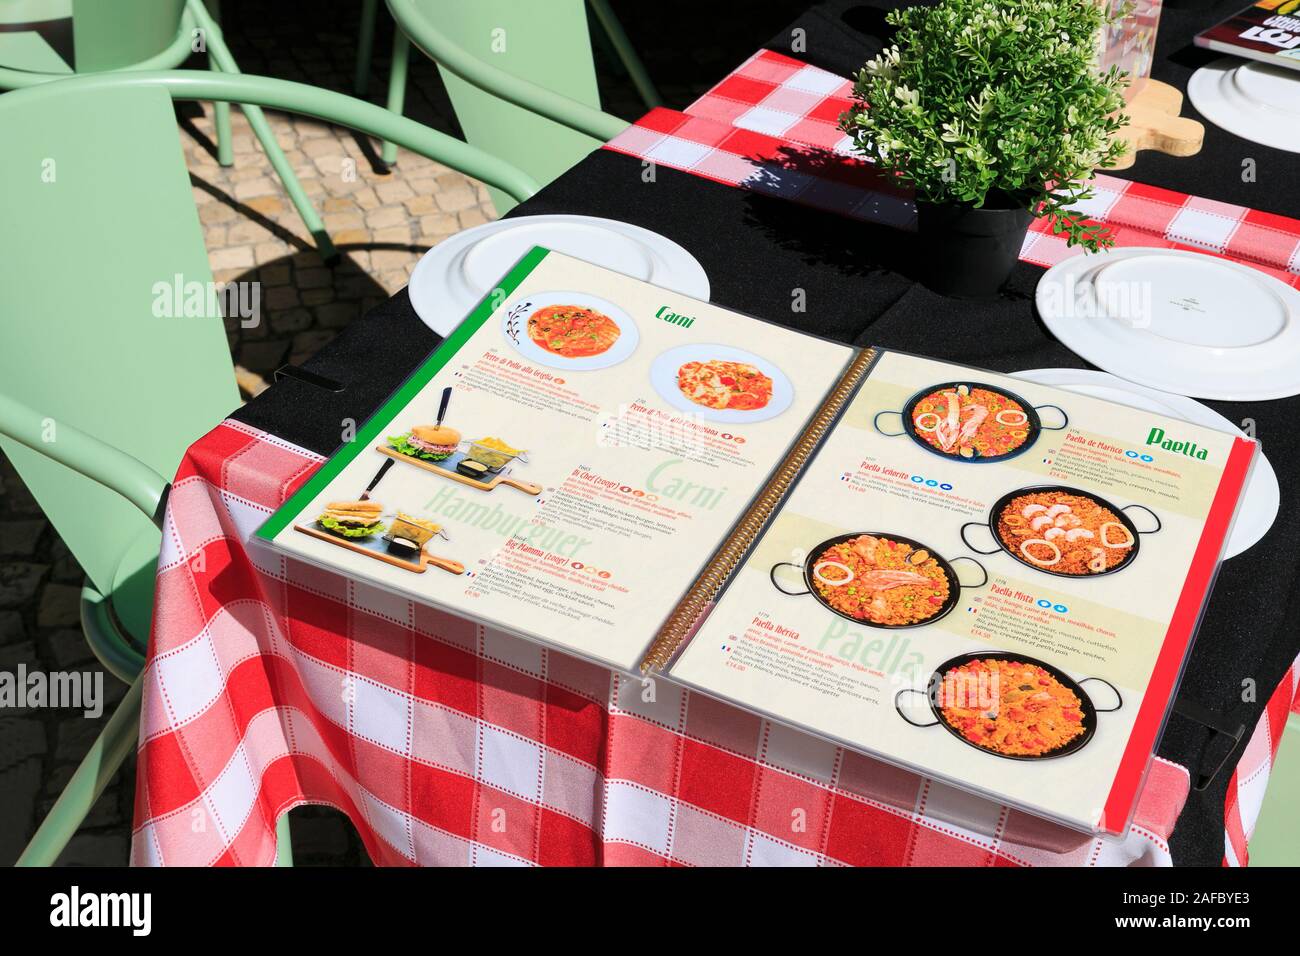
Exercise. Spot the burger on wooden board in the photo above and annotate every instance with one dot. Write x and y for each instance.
(352, 519)
(427, 442)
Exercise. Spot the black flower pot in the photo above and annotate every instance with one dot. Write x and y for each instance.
(970, 251)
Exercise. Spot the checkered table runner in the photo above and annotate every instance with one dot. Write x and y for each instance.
(272, 684)
(770, 127)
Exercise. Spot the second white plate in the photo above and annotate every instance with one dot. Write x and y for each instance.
(451, 278)
(1261, 496)
(1179, 321)
(1255, 101)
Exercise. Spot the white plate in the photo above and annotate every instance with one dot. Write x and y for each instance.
(1252, 100)
(514, 325)
(451, 278)
(1260, 497)
(1180, 321)
(663, 376)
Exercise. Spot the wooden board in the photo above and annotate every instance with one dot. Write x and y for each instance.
(375, 551)
(1155, 124)
(527, 487)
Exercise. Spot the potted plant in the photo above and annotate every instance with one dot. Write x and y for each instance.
(995, 112)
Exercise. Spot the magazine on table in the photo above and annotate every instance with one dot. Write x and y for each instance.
(985, 580)
(1268, 31)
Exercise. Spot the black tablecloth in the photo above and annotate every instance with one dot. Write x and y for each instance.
(858, 285)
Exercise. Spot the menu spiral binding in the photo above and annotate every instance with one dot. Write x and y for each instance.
(682, 622)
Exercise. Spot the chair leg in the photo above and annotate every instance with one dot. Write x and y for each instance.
(397, 86)
(110, 749)
(220, 110)
(283, 846)
(220, 54)
(626, 53)
(365, 47)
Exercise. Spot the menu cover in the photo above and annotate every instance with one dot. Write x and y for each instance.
(1268, 31)
(988, 581)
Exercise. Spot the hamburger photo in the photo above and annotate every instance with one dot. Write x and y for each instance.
(352, 519)
(427, 442)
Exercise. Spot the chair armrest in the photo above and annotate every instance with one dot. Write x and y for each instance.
(310, 101)
(87, 455)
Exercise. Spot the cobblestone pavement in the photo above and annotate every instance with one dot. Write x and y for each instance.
(382, 222)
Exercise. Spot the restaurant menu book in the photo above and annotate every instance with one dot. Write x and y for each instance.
(985, 580)
(1268, 31)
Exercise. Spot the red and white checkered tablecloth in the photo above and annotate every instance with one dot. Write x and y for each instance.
(271, 684)
(770, 127)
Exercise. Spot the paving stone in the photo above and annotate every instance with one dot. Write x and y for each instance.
(60, 606)
(293, 320)
(335, 315)
(280, 297)
(19, 581)
(394, 192)
(96, 849)
(457, 199)
(11, 627)
(236, 257)
(68, 648)
(19, 538)
(316, 296)
(263, 357)
(386, 216)
(313, 278)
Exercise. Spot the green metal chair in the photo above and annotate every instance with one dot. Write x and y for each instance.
(104, 380)
(139, 35)
(521, 76)
(1276, 840)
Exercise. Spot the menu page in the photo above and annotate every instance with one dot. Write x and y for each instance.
(986, 580)
(565, 464)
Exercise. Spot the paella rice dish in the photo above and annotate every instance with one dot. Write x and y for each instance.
(1064, 533)
(969, 421)
(881, 581)
(572, 331)
(1010, 707)
(722, 384)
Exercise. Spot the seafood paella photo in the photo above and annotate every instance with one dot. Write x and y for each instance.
(971, 421)
(881, 580)
(1064, 533)
(1010, 707)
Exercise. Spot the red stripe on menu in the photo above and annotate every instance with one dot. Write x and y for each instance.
(1160, 689)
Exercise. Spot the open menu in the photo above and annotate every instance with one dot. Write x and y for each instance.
(988, 581)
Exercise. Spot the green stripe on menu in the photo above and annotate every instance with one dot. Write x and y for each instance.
(402, 397)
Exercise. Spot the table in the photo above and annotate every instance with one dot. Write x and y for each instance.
(858, 284)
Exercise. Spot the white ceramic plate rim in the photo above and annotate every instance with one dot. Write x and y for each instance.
(1271, 372)
(1214, 95)
(663, 376)
(435, 300)
(629, 334)
(1262, 495)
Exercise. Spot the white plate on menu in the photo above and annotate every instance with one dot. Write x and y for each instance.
(1255, 101)
(1260, 497)
(1179, 321)
(451, 278)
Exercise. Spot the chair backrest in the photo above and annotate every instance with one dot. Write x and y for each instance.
(547, 43)
(110, 36)
(85, 36)
(99, 233)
